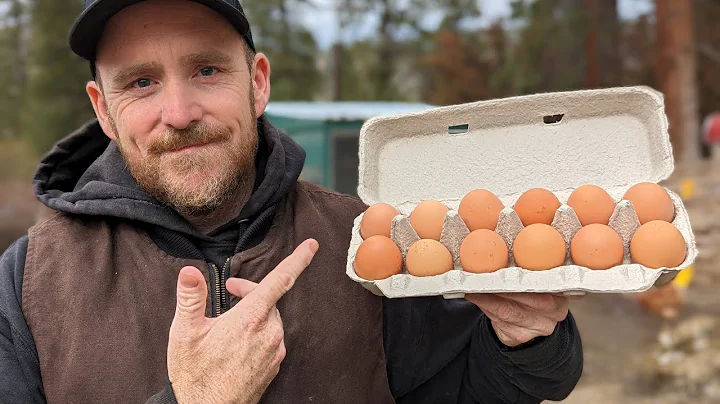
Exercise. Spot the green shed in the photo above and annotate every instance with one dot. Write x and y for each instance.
(329, 131)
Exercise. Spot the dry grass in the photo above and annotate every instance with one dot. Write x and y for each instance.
(18, 208)
(18, 205)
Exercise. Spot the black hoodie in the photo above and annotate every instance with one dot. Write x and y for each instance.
(437, 351)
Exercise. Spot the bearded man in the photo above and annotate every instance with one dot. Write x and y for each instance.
(186, 262)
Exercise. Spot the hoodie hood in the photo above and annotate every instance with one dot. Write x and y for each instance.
(85, 174)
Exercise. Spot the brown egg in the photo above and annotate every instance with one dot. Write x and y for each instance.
(596, 246)
(427, 219)
(427, 258)
(480, 209)
(537, 205)
(377, 220)
(483, 251)
(658, 244)
(592, 204)
(651, 202)
(539, 247)
(378, 257)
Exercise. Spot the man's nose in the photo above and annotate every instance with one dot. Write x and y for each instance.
(180, 110)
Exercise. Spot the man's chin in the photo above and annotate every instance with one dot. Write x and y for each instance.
(192, 201)
(197, 191)
(190, 184)
(176, 169)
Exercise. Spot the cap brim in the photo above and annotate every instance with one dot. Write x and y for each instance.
(87, 29)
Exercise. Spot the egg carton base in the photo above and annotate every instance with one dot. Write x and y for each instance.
(626, 278)
(571, 279)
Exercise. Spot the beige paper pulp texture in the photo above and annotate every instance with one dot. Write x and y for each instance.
(613, 138)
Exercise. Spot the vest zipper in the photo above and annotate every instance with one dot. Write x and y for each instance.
(216, 292)
(220, 290)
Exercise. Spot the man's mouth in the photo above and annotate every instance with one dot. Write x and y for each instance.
(188, 148)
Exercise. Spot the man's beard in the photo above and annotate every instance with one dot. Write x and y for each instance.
(168, 177)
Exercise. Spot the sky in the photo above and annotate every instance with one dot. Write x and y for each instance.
(322, 22)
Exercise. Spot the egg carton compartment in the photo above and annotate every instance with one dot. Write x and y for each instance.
(570, 279)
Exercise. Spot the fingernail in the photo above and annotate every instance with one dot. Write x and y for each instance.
(188, 281)
(313, 245)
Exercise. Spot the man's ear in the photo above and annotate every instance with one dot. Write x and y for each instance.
(261, 83)
(97, 98)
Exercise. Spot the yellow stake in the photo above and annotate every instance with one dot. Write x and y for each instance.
(683, 279)
(687, 189)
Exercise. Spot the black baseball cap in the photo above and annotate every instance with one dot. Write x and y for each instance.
(88, 28)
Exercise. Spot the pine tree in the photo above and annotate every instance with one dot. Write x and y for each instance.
(290, 47)
(550, 54)
(56, 102)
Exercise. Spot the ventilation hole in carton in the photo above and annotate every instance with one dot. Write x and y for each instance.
(550, 119)
(453, 130)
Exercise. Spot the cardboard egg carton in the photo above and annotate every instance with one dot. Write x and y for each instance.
(613, 138)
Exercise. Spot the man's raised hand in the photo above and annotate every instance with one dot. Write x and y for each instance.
(234, 357)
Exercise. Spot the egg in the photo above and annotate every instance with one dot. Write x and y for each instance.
(483, 251)
(596, 246)
(592, 204)
(539, 247)
(480, 209)
(427, 258)
(651, 202)
(658, 244)
(377, 220)
(537, 205)
(377, 258)
(428, 218)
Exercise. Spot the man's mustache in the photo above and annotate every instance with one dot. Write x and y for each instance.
(196, 135)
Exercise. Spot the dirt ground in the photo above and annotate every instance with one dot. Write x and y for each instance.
(624, 362)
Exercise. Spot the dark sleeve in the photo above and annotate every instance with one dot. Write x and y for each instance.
(166, 396)
(547, 369)
(19, 365)
(427, 340)
(445, 351)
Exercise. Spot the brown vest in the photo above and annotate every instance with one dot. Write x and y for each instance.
(99, 298)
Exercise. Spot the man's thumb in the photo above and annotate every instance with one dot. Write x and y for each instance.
(191, 296)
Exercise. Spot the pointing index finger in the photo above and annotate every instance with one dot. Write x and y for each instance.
(281, 279)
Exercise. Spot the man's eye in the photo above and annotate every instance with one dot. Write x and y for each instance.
(207, 71)
(143, 83)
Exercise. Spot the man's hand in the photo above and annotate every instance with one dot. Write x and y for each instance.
(234, 357)
(518, 318)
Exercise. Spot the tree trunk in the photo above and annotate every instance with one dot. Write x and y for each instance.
(602, 44)
(592, 78)
(384, 65)
(337, 56)
(17, 13)
(676, 74)
(608, 25)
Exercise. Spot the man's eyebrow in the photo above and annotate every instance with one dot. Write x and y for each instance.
(134, 71)
(206, 58)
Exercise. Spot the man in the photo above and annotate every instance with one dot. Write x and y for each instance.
(186, 262)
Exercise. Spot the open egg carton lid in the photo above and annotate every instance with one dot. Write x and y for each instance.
(613, 138)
